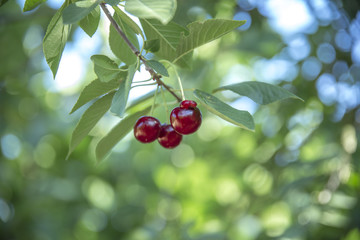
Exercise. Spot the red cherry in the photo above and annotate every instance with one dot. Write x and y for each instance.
(147, 129)
(168, 138)
(188, 104)
(185, 119)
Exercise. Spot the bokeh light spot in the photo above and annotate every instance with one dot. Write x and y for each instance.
(169, 209)
(327, 88)
(99, 192)
(243, 16)
(182, 156)
(326, 53)
(5, 211)
(311, 68)
(10, 146)
(94, 219)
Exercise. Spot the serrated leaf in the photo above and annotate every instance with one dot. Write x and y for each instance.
(118, 45)
(117, 133)
(30, 4)
(128, 21)
(94, 90)
(89, 119)
(152, 45)
(169, 37)
(162, 10)
(259, 92)
(78, 10)
(213, 104)
(121, 96)
(112, 2)
(105, 68)
(158, 67)
(55, 39)
(201, 33)
(90, 23)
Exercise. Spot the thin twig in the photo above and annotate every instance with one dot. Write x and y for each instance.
(154, 75)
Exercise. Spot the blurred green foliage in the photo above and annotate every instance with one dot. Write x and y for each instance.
(297, 177)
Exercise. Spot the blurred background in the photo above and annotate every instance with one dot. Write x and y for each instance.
(297, 177)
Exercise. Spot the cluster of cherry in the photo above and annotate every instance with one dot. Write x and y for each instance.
(184, 120)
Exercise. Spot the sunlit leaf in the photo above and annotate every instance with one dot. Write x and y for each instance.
(158, 67)
(226, 112)
(78, 10)
(105, 68)
(30, 4)
(95, 89)
(169, 37)
(162, 10)
(117, 44)
(117, 133)
(128, 21)
(121, 96)
(112, 2)
(201, 33)
(259, 92)
(89, 119)
(90, 23)
(55, 39)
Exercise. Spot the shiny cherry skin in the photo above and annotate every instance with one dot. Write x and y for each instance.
(147, 129)
(168, 137)
(186, 119)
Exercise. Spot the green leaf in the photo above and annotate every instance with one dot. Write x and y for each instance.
(169, 37)
(128, 21)
(78, 10)
(55, 39)
(259, 92)
(226, 112)
(105, 68)
(121, 96)
(93, 90)
(117, 133)
(30, 4)
(162, 10)
(2, 2)
(112, 2)
(204, 32)
(90, 23)
(89, 119)
(152, 45)
(354, 234)
(158, 67)
(118, 45)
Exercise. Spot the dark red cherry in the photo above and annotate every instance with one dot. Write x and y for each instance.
(186, 119)
(188, 104)
(147, 129)
(168, 138)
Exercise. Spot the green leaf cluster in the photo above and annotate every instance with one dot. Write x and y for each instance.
(166, 39)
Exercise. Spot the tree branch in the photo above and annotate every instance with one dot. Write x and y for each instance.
(154, 75)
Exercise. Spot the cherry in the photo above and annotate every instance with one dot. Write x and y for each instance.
(188, 104)
(186, 119)
(147, 129)
(168, 138)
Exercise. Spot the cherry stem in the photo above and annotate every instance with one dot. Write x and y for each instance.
(152, 72)
(143, 85)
